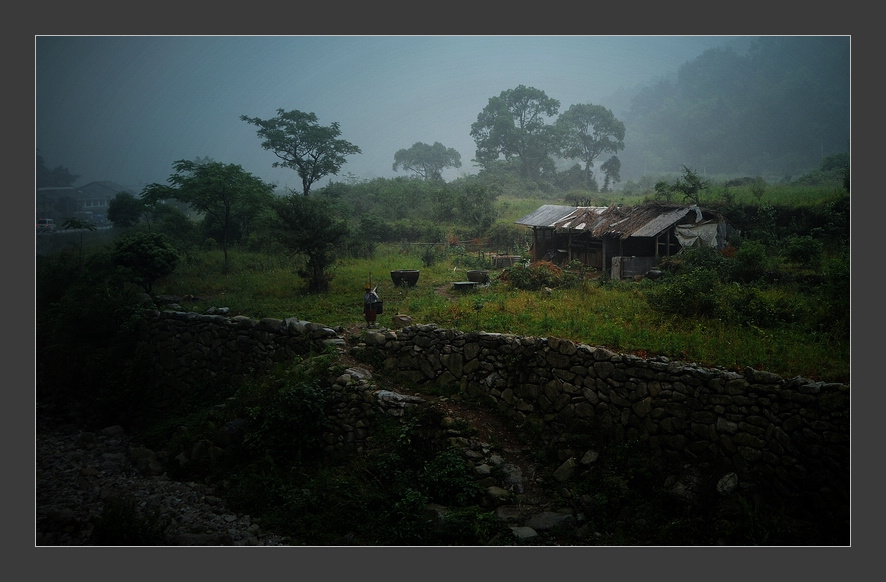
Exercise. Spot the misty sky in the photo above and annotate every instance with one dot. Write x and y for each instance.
(125, 108)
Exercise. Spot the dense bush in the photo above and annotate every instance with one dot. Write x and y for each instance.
(803, 250)
(414, 231)
(835, 294)
(761, 306)
(751, 262)
(285, 414)
(690, 294)
(376, 498)
(448, 479)
(537, 275)
(691, 259)
(143, 258)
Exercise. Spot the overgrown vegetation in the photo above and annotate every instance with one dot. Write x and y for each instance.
(776, 299)
(281, 474)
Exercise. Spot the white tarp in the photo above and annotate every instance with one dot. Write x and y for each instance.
(697, 235)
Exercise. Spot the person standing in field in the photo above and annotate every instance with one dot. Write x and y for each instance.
(370, 304)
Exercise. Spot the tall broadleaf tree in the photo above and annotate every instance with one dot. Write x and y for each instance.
(226, 194)
(427, 161)
(514, 126)
(314, 151)
(589, 131)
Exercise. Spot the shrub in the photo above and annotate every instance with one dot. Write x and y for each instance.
(86, 324)
(803, 250)
(430, 256)
(286, 413)
(688, 294)
(751, 262)
(536, 276)
(766, 308)
(447, 479)
(409, 518)
(835, 294)
(460, 257)
(471, 526)
(693, 258)
(143, 258)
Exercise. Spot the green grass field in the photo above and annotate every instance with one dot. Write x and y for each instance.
(615, 315)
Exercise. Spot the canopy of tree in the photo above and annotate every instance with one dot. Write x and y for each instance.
(125, 210)
(426, 161)
(514, 126)
(302, 144)
(144, 257)
(228, 196)
(589, 131)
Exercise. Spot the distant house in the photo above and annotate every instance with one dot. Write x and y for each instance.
(622, 240)
(91, 201)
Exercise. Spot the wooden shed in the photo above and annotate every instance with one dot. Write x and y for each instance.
(624, 240)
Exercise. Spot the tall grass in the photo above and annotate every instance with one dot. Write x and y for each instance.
(789, 195)
(614, 315)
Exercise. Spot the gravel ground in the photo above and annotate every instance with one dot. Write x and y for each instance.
(79, 474)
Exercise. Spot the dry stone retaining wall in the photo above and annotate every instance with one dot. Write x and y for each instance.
(790, 434)
(187, 351)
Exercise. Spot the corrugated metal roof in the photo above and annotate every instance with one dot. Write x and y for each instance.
(583, 218)
(661, 222)
(645, 220)
(546, 215)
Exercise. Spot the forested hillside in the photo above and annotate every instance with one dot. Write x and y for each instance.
(775, 109)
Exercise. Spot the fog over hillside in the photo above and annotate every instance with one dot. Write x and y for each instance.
(125, 108)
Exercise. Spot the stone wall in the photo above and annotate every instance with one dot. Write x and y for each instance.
(182, 352)
(790, 434)
(185, 351)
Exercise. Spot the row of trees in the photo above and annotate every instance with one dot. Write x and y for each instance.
(783, 103)
(520, 129)
(230, 201)
(779, 106)
(236, 208)
(233, 207)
